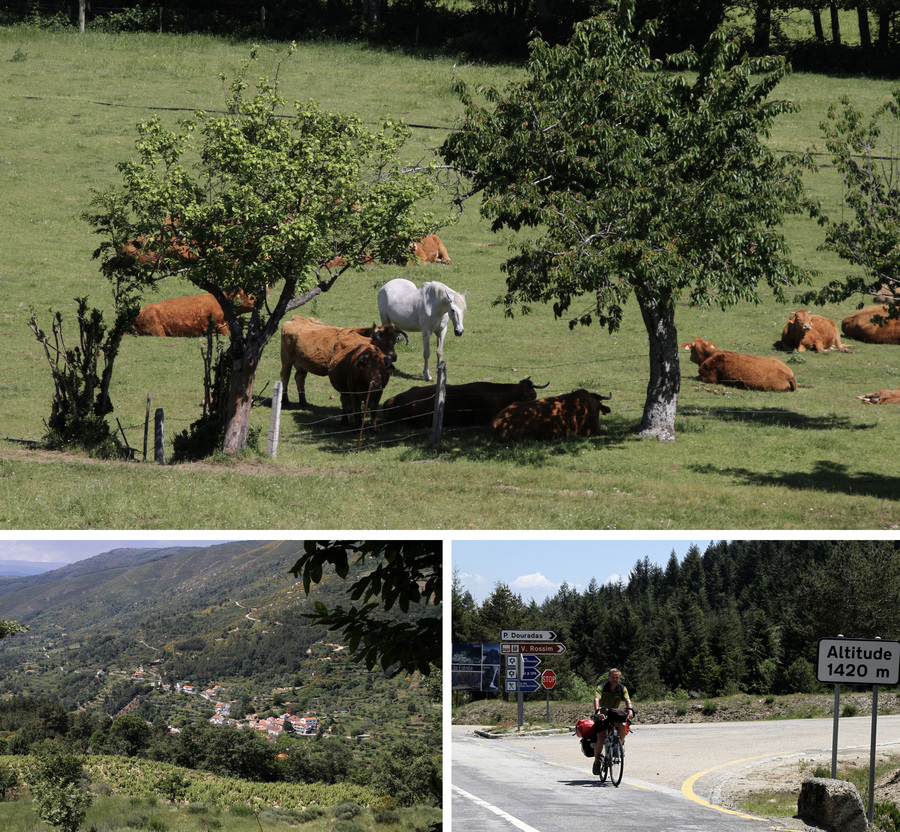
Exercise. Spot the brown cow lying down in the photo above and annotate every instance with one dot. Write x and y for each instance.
(735, 369)
(357, 360)
(860, 327)
(882, 397)
(430, 249)
(804, 331)
(465, 405)
(187, 317)
(577, 412)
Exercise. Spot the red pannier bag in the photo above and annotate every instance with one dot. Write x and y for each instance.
(585, 728)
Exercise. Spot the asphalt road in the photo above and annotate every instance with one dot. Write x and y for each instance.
(676, 776)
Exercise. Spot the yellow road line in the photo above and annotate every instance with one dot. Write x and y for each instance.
(687, 788)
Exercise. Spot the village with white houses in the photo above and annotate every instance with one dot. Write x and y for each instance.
(272, 726)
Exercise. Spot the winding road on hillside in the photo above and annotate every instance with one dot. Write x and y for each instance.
(678, 778)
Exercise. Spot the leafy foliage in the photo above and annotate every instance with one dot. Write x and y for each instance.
(635, 179)
(405, 573)
(865, 154)
(56, 789)
(81, 385)
(256, 201)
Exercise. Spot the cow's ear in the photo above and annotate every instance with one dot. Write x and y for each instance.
(792, 319)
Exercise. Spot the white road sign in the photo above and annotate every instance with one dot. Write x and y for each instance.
(527, 635)
(858, 661)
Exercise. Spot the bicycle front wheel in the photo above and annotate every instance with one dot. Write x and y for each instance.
(604, 767)
(617, 763)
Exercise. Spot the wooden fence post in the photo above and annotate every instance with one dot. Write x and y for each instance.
(158, 424)
(275, 421)
(440, 395)
(146, 426)
(81, 15)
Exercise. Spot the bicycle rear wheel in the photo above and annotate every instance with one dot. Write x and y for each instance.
(617, 763)
(604, 766)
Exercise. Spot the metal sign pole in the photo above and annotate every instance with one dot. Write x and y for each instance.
(520, 663)
(872, 754)
(834, 736)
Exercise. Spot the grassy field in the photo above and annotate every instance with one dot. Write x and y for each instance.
(813, 459)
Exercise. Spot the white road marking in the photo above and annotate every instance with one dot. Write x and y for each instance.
(519, 824)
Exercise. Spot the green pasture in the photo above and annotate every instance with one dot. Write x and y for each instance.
(815, 459)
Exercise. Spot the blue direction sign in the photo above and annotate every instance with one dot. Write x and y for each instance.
(527, 661)
(525, 686)
(527, 673)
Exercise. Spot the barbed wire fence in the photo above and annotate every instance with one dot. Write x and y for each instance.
(314, 425)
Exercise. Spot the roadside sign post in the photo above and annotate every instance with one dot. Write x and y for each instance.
(523, 649)
(548, 680)
(861, 661)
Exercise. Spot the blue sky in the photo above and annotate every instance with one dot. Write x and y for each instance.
(537, 568)
(69, 549)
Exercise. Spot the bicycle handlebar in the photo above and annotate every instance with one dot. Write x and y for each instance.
(604, 710)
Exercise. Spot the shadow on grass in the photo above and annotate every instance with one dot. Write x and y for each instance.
(825, 475)
(779, 417)
(321, 425)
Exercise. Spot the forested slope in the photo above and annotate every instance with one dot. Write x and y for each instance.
(739, 616)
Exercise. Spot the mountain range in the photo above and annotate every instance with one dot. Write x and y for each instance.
(206, 613)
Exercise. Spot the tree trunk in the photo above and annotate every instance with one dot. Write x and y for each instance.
(240, 396)
(762, 30)
(665, 372)
(835, 25)
(817, 26)
(865, 33)
(884, 28)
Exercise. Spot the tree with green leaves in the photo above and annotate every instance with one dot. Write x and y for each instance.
(10, 628)
(635, 180)
(405, 573)
(865, 153)
(260, 201)
(55, 780)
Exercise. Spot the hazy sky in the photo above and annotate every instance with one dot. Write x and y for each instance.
(70, 549)
(537, 568)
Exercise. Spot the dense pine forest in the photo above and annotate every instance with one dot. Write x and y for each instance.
(741, 616)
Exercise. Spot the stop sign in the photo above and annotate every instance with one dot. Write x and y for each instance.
(548, 679)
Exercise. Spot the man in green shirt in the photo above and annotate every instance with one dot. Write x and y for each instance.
(611, 694)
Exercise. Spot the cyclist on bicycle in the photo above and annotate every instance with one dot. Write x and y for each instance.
(611, 694)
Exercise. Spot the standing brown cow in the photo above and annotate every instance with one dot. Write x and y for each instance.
(735, 369)
(357, 360)
(804, 331)
(577, 412)
(860, 326)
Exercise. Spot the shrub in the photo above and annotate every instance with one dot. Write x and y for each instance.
(348, 826)
(850, 710)
(346, 810)
(309, 814)
(887, 817)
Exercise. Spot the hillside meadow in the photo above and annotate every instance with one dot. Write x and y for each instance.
(813, 459)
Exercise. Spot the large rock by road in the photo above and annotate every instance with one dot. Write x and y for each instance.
(834, 805)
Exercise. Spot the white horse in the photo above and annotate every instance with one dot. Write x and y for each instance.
(426, 310)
